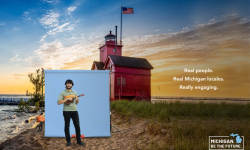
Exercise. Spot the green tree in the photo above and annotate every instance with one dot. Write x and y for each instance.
(37, 98)
(37, 80)
(37, 106)
(23, 106)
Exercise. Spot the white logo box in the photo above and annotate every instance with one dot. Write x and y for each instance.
(225, 148)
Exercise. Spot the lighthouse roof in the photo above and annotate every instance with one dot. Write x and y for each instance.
(130, 62)
(99, 65)
(110, 34)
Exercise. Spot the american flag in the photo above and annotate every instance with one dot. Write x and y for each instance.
(127, 10)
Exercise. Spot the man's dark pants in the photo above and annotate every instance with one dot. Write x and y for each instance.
(74, 115)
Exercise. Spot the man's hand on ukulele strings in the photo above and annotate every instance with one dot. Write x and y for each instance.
(70, 98)
(69, 101)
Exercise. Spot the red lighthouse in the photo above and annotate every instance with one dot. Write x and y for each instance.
(130, 76)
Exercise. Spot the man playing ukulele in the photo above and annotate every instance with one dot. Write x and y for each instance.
(70, 111)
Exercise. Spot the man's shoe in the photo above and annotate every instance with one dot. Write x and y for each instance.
(68, 143)
(81, 143)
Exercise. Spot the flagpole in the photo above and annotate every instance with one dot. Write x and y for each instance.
(121, 27)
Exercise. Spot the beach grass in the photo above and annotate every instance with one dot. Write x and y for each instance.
(163, 110)
(190, 124)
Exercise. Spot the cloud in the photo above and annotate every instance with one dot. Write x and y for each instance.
(50, 19)
(77, 21)
(19, 74)
(186, 28)
(212, 19)
(18, 78)
(26, 16)
(79, 68)
(16, 28)
(203, 24)
(56, 56)
(216, 19)
(244, 19)
(2, 23)
(234, 14)
(157, 30)
(51, 1)
(15, 58)
(63, 27)
(72, 38)
(29, 59)
(71, 9)
(47, 1)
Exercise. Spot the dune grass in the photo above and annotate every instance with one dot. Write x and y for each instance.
(163, 110)
(191, 124)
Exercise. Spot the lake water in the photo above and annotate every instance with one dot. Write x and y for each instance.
(5, 125)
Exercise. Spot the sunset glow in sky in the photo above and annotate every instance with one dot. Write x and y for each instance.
(171, 35)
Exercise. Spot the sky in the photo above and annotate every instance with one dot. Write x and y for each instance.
(171, 35)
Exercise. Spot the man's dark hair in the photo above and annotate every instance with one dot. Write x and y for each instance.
(69, 81)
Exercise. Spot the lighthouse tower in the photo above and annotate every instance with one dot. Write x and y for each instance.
(108, 47)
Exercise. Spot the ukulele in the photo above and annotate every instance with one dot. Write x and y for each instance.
(68, 102)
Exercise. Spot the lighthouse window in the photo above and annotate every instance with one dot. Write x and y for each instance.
(102, 50)
(107, 38)
(118, 81)
(113, 49)
(123, 81)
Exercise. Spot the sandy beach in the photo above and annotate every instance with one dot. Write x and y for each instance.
(134, 135)
(12, 127)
